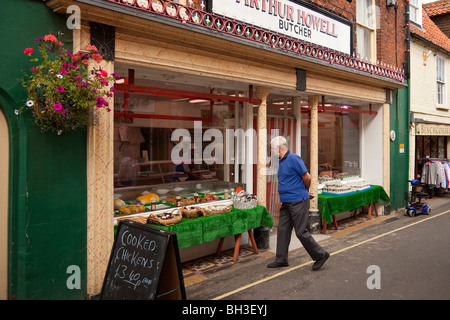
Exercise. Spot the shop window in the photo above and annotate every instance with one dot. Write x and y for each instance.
(431, 147)
(415, 11)
(440, 81)
(145, 139)
(366, 23)
(339, 145)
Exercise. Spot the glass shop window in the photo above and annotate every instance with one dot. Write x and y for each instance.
(144, 140)
(339, 145)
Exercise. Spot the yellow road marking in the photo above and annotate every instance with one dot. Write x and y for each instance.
(276, 275)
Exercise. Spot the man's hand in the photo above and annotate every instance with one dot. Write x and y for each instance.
(311, 195)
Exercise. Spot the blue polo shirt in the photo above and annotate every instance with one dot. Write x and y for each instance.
(290, 183)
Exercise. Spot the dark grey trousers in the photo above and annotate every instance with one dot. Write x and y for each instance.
(295, 215)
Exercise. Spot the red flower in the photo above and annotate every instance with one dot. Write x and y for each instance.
(51, 38)
(92, 48)
(28, 50)
(97, 57)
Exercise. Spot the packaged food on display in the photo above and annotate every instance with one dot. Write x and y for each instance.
(191, 212)
(118, 203)
(131, 209)
(244, 200)
(165, 218)
(147, 198)
(337, 188)
(215, 209)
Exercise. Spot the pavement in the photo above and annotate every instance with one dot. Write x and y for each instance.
(404, 249)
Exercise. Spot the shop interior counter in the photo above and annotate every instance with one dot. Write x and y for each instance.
(203, 229)
(195, 231)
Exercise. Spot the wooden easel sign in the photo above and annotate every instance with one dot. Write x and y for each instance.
(144, 265)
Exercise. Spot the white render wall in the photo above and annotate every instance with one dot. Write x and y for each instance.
(423, 84)
(423, 91)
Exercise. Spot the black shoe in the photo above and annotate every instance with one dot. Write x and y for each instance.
(277, 265)
(319, 263)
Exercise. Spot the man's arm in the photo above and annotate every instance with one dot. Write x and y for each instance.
(307, 181)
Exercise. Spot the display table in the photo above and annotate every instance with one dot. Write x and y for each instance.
(330, 205)
(196, 231)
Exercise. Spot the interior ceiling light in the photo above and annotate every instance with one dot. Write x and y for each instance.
(198, 101)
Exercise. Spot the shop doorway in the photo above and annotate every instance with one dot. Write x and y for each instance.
(4, 181)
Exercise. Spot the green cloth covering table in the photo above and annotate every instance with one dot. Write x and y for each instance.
(330, 204)
(199, 230)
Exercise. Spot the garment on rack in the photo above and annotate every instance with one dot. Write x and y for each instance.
(447, 174)
(436, 173)
(429, 174)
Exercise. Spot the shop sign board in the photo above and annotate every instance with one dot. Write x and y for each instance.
(431, 129)
(144, 265)
(296, 19)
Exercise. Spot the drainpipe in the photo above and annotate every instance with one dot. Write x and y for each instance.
(408, 88)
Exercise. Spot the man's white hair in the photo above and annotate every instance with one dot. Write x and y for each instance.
(279, 141)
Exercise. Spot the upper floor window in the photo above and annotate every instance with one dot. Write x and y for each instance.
(415, 11)
(440, 80)
(366, 25)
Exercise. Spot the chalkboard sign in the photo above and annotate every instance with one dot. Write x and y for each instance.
(144, 265)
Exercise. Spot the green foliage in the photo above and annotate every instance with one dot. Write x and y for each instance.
(63, 92)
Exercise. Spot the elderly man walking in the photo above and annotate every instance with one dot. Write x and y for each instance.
(293, 186)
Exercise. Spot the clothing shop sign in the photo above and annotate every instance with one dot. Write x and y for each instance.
(426, 129)
(294, 19)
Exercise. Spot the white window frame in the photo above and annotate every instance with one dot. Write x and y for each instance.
(415, 11)
(441, 82)
(366, 24)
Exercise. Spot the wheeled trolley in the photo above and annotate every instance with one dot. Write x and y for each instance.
(415, 205)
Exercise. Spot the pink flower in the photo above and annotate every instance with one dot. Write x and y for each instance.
(77, 78)
(92, 48)
(60, 88)
(58, 106)
(100, 102)
(28, 50)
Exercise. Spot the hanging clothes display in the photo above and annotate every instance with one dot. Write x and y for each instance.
(436, 172)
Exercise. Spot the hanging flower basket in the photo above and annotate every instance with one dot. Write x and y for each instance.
(63, 94)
